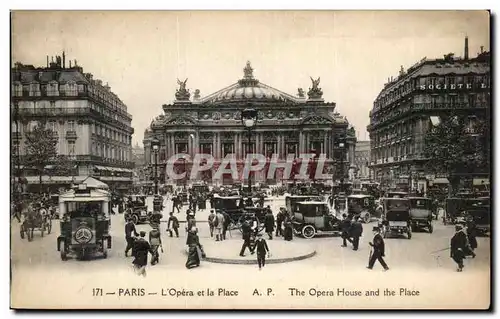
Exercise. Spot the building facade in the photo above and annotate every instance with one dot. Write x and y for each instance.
(90, 123)
(405, 108)
(362, 159)
(286, 125)
(140, 169)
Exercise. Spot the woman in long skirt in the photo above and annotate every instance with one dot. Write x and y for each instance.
(195, 250)
(288, 233)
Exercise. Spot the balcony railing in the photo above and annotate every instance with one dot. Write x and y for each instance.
(71, 135)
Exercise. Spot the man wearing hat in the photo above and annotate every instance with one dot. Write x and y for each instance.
(172, 220)
(129, 229)
(458, 247)
(219, 225)
(356, 231)
(345, 226)
(211, 218)
(262, 250)
(378, 250)
(155, 242)
(141, 250)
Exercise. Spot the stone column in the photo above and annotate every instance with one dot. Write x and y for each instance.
(213, 145)
(324, 148)
(235, 144)
(190, 145)
(282, 151)
(240, 151)
(219, 146)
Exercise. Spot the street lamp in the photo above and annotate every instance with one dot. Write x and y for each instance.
(249, 120)
(342, 155)
(155, 144)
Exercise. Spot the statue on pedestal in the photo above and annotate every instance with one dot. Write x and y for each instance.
(300, 92)
(197, 94)
(182, 94)
(315, 92)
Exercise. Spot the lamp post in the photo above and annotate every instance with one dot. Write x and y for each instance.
(155, 144)
(342, 155)
(249, 120)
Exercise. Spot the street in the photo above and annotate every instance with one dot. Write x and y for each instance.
(412, 262)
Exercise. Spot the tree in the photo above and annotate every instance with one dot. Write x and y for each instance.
(40, 148)
(454, 148)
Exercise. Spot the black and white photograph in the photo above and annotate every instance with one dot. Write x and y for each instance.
(250, 160)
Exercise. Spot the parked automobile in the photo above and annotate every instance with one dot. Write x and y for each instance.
(421, 213)
(311, 218)
(362, 206)
(396, 219)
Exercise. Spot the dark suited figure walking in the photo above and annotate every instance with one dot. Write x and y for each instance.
(246, 230)
(129, 230)
(141, 250)
(378, 252)
(346, 228)
(172, 220)
(458, 247)
(262, 250)
(280, 218)
(269, 222)
(356, 232)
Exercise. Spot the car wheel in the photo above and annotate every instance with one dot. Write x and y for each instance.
(431, 229)
(308, 231)
(135, 219)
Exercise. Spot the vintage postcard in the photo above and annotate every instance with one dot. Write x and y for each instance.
(250, 160)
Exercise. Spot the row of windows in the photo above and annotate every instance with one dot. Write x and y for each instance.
(51, 89)
(407, 87)
(52, 125)
(110, 151)
(111, 133)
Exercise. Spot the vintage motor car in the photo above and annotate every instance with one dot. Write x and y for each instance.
(362, 206)
(396, 219)
(481, 214)
(200, 188)
(312, 218)
(137, 209)
(84, 222)
(292, 200)
(340, 202)
(456, 208)
(396, 194)
(421, 213)
(238, 212)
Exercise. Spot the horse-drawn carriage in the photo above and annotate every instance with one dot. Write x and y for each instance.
(35, 218)
(84, 223)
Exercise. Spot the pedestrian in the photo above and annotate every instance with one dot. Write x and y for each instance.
(458, 247)
(356, 231)
(129, 230)
(269, 222)
(262, 250)
(195, 250)
(246, 231)
(471, 232)
(218, 225)
(155, 242)
(288, 232)
(345, 227)
(279, 222)
(190, 221)
(225, 224)
(378, 250)
(211, 218)
(141, 250)
(172, 220)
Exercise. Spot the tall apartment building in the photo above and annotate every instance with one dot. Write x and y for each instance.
(405, 108)
(89, 121)
(362, 159)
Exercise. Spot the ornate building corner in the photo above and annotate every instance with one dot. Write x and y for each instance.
(315, 93)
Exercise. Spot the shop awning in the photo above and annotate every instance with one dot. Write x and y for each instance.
(101, 168)
(480, 181)
(441, 180)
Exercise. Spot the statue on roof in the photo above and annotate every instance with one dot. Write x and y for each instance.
(182, 94)
(196, 94)
(315, 92)
(300, 92)
(248, 71)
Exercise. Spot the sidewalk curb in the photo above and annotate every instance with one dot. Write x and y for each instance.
(254, 261)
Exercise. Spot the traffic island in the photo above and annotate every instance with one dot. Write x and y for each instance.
(227, 251)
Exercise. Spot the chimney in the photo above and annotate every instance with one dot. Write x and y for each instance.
(47, 61)
(70, 64)
(64, 60)
(466, 49)
(482, 49)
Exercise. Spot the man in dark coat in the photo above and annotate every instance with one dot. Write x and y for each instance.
(172, 220)
(225, 224)
(155, 242)
(378, 247)
(356, 231)
(471, 232)
(280, 217)
(246, 230)
(458, 247)
(141, 250)
(262, 250)
(269, 222)
(345, 226)
(129, 230)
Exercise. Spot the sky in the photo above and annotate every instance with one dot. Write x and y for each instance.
(141, 54)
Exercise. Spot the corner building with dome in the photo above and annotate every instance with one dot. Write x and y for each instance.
(286, 124)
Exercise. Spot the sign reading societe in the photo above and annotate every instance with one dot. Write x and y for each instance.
(459, 86)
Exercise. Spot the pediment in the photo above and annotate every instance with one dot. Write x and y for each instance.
(317, 119)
